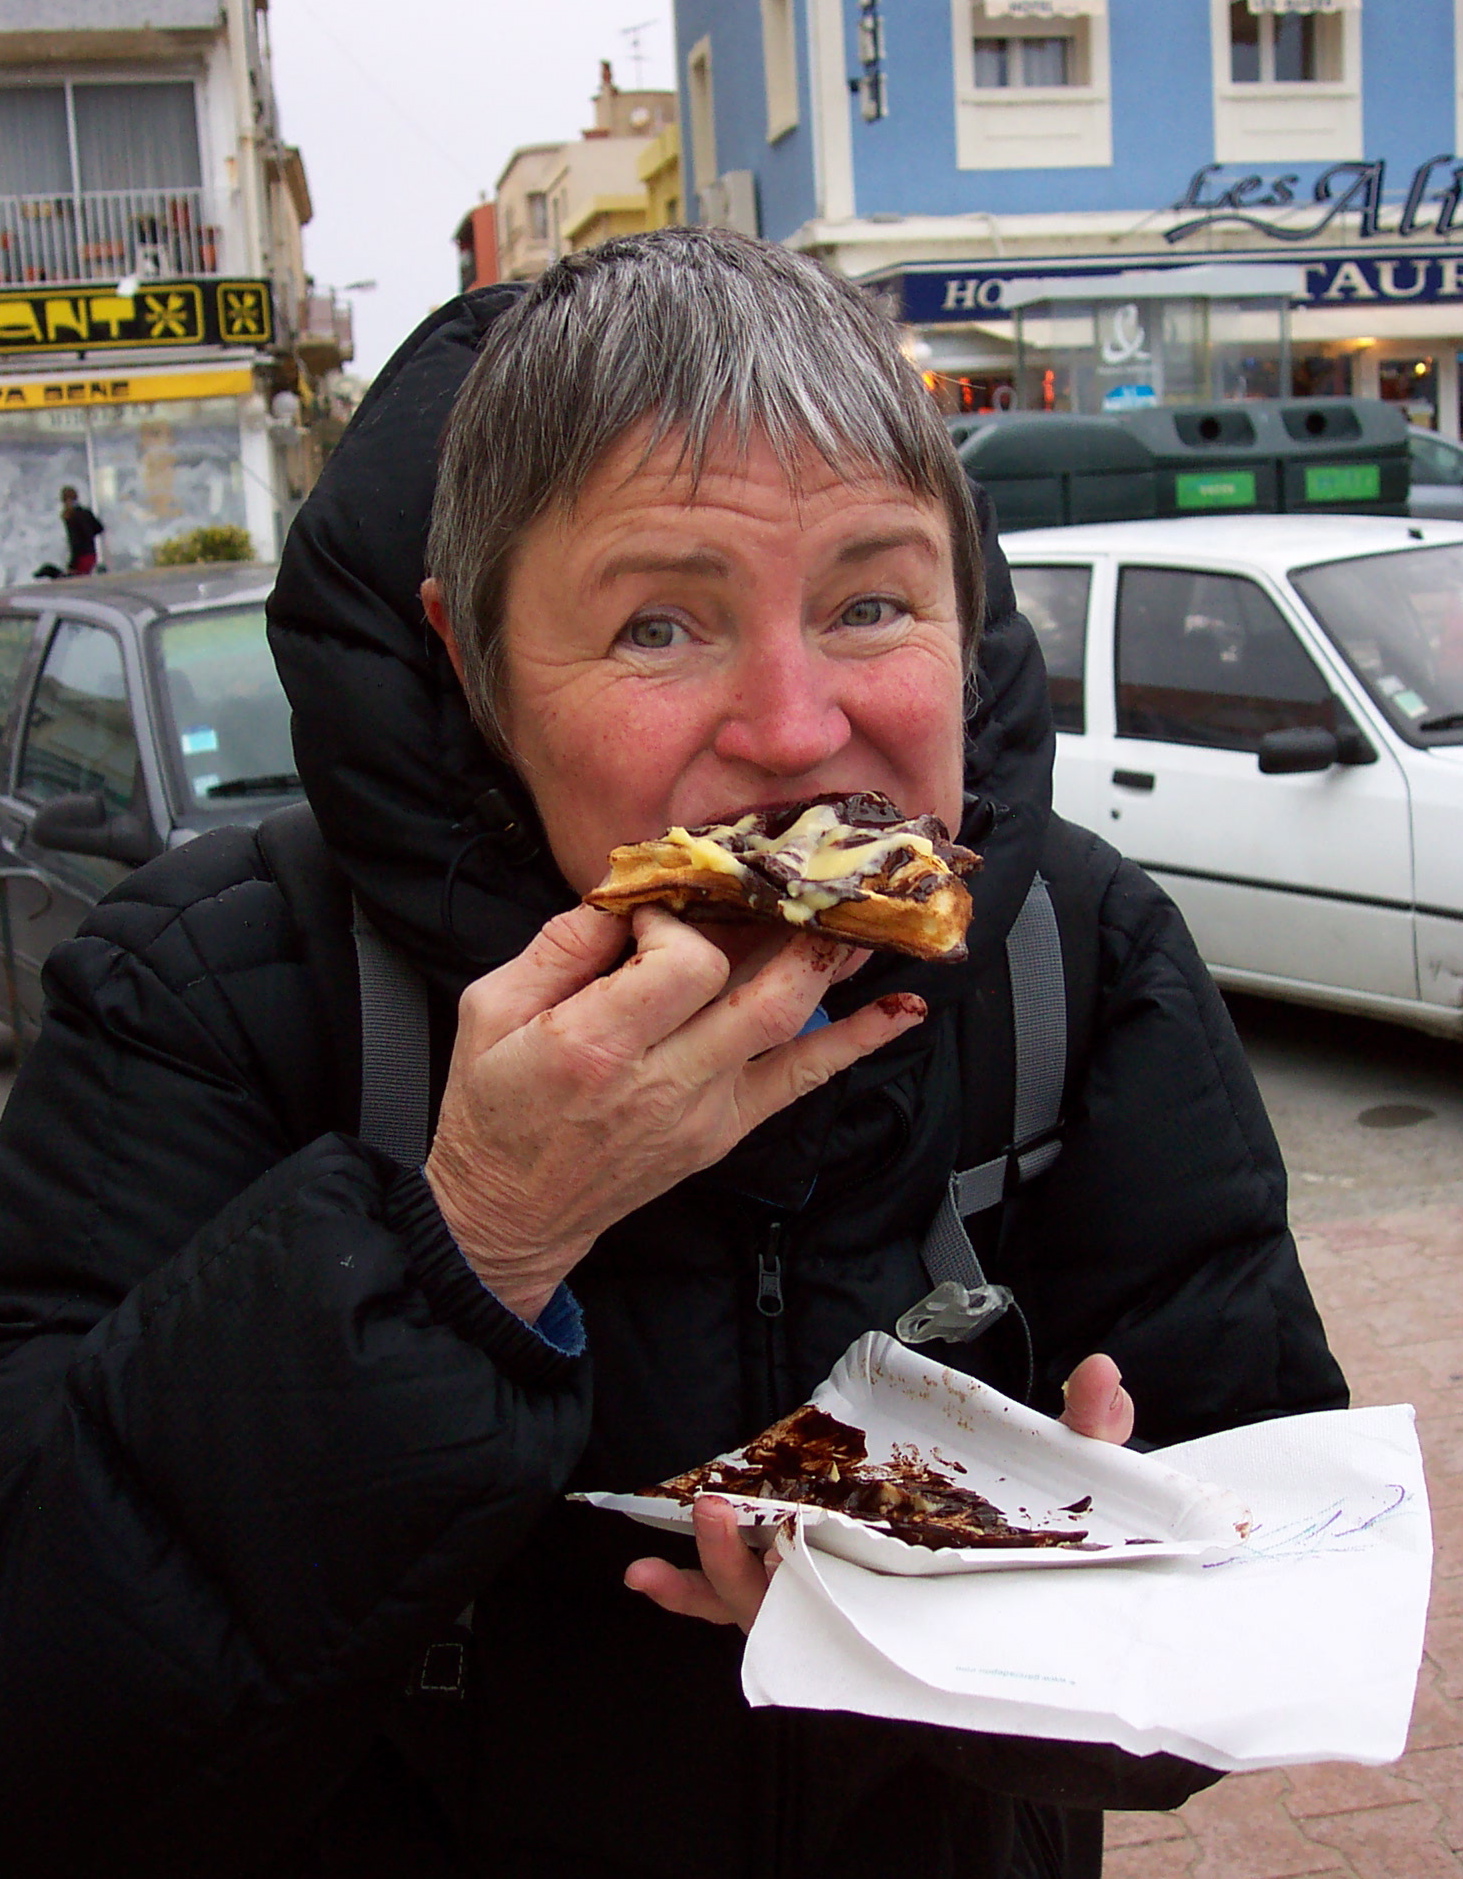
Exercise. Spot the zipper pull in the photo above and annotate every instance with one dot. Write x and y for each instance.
(769, 1274)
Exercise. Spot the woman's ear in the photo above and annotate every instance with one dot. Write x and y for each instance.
(436, 613)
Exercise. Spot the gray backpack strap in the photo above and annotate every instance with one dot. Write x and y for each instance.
(963, 1303)
(396, 1100)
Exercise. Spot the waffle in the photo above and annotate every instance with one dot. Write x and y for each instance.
(850, 866)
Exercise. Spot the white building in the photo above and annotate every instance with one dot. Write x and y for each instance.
(151, 276)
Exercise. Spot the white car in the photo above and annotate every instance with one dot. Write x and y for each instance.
(1266, 711)
(1437, 475)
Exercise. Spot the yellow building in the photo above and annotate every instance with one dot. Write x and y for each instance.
(659, 169)
(621, 177)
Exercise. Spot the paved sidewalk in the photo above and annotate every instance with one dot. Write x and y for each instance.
(1390, 1288)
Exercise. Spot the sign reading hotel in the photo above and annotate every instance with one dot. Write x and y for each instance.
(159, 314)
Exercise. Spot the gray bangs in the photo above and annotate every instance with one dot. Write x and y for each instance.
(694, 334)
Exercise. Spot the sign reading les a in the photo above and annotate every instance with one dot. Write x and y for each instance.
(1356, 187)
(163, 313)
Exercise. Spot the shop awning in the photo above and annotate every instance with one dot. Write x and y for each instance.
(1305, 6)
(1043, 9)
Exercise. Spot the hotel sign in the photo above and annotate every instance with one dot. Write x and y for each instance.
(1346, 277)
(159, 314)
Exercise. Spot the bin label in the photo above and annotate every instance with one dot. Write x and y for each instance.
(1343, 482)
(1215, 489)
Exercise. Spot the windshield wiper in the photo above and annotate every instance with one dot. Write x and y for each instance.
(274, 785)
(1449, 721)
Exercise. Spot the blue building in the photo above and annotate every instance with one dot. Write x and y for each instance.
(995, 165)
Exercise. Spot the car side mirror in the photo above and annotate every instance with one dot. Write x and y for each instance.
(79, 824)
(1301, 747)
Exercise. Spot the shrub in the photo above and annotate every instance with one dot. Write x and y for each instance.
(225, 543)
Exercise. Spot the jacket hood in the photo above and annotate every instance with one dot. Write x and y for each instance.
(408, 796)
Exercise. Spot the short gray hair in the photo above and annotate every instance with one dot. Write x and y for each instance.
(700, 332)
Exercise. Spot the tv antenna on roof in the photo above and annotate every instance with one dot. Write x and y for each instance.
(636, 35)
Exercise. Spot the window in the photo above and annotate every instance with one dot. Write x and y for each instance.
(16, 630)
(230, 717)
(126, 137)
(79, 734)
(1054, 599)
(537, 205)
(703, 115)
(1433, 461)
(1398, 619)
(780, 67)
(1209, 659)
(1282, 48)
(1027, 62)
(1287, 81)
(1032, 84)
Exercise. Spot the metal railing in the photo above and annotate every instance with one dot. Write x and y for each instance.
(103, 235)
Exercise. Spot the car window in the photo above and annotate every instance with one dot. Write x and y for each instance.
(1434, 461)
(1209, 659)
(230, 720)
(16, 632)
(79, 734)
(1054, 599)
(1398, 620)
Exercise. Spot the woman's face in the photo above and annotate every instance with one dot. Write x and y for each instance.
(679, 658)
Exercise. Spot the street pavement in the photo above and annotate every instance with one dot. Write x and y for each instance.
(1370, 1118)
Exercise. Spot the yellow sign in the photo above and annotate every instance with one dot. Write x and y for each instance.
(163, 313)
(121, 388)
(243, 312)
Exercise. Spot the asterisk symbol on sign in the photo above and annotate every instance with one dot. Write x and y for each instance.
(167, 316)
(243, 311)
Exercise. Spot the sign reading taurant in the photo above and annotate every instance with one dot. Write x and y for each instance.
(159, 313)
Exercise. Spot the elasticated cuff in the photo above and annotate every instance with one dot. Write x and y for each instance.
(458, 1297)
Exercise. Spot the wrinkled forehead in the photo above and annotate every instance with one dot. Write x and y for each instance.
(664, 465)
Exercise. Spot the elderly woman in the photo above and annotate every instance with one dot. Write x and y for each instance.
(277, 1406)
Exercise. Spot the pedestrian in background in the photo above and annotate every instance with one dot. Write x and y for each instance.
(82, 530)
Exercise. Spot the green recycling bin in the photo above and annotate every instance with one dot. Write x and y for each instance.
(1299, 455)
(1048, 470)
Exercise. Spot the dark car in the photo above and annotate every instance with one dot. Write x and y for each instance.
(136, 711)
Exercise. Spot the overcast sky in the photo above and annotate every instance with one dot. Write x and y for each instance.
(405, 113)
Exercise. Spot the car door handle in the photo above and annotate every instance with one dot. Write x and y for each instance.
(1133, 779)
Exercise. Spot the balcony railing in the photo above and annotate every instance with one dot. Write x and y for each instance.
(104, 235)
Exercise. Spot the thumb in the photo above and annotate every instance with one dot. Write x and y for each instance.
(1096, 1402)
(564, 956)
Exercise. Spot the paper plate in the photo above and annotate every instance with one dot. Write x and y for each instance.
(1031, 1467)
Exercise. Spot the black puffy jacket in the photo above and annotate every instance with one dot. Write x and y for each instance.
(263, 1436)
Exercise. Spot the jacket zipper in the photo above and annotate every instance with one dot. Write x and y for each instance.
(771, 1304)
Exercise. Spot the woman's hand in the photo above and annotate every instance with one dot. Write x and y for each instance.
(733, 1580)
(574, 1098)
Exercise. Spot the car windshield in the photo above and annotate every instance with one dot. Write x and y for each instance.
(230, 730)
(1398, 619)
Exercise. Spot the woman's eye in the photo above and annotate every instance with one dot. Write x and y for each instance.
(867, 612)
(652, 635)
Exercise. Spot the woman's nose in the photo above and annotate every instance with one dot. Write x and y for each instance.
(783, 716)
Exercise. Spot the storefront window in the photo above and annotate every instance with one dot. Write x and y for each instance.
(40, 453)
(164, 469)
(1413, 384)
(149, 471)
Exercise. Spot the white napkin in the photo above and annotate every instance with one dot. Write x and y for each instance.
(1302, 1645)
